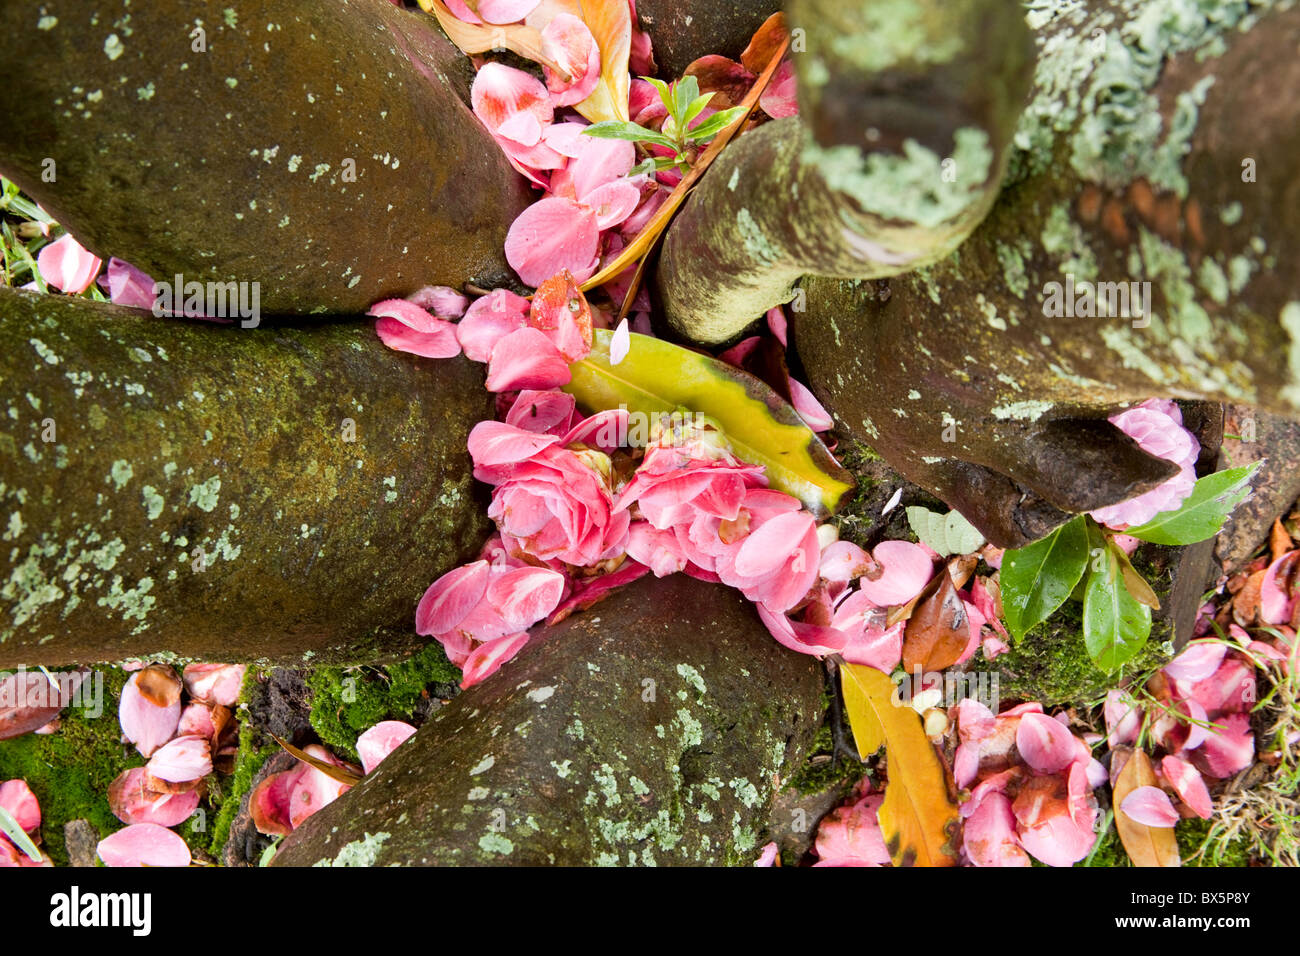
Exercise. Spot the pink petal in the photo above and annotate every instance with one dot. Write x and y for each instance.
(779, 100)
(381, 740)
(487, 659)
(499, 92)
(906, 570)
(1189, 785)
(550, 236)
(1123, 718)
(810, 410)
(196, 721)
(568, 43)
(488, 320)
(1044, 743)
(269, 804)
(129, 286)
(620, 344)
(989, 834)
(1149, 806)
(144, 844)
(501, 443)
(523, 596)
(443, 301)
(450, 599)
(18, 799)
(768, 548)
(143, 722)
(314, 789)
(767, 856)
(842, 561)
(851, 835)
(132, 801)
(66, 265)
(504, 11)
(1229, 750)
(600, 161)
(776, 322)
(215, 683)
(1197, 662)
(543, 412)
(182, 760)
(612, 203)
(1275, 605)
(526, 359)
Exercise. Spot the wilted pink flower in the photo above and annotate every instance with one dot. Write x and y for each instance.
(1157, 427)
(144, 844)
(127, 285)
(66, 265)
(406, 327)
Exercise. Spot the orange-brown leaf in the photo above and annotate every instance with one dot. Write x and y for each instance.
(1146, 846)
(1279, 542)
(918, 817)
(938, 630)
(766, 41)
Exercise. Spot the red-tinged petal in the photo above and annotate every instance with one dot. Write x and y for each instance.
(487, 659)
(523, 128)
(810, 410)
(620, 344)
(1229, 750)
(132, 801)
(569, 44)
(523, 596)
(313, 791)
(440, 343)
(499, 92)
(551, 236)
(215, 683)
(269, 802)
(66, 265)
(1197, 662)
(29, 700)
(182, 760)
(1149, 806)
(1188, 784)
(196, 721)
(543, 412)
(18, 799)
(526, 359)
(449, 599)
(804, 638)
(906, 569)
(129, 286)
(780, 98)
(144, 844)
(381, 740)
(1044, 743)
(502, 443)
(143, 722)
(989, 834)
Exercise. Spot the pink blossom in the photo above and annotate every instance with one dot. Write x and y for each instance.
(408, 328)
(1157, 427)
(66, 265)
(144, 844)
(379, 741)
(132, 801)
(568, 43)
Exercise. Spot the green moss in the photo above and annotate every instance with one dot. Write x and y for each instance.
(70, 771)
(248, 762)
(821, 775)
(347, 701)
(1195, 834)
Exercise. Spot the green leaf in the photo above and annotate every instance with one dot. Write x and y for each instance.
(944, 534)
(617, 129)
(1115, 625)
(685, 92)
(715, 124)
(10, 828)
(1202, 515)
(657, 378)
(1037, 579)
(696, 108)
(664, 90)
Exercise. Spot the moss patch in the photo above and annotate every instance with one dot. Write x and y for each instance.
(347, 701)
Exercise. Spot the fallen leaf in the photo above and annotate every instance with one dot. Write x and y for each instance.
(334, 772)
(767, 39)
(480, 37)
(938, 630)
(659, 378)
(918, 817)
(1279, 542)
(1146, 846)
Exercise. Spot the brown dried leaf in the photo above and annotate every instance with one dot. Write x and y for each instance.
(1279, 542)
(766, 41)
(727, 80)
(938, 630)
(341, 774)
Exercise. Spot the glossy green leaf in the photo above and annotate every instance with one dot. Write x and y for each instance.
(617, 129)
(1202, 515)
(1038, 578)
(657, 377)
(944, 534)
(715, 124)
(1115, 625)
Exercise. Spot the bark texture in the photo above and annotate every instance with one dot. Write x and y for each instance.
(683, 32)
(652, 729)
(184, 487)
(319, 147)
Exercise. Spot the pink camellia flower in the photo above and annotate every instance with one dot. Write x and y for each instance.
(379, 741)
(127, 285)
(144, 844)
(556, 503)
(516, 109)
(850, 835)
(66, 265)
(132, 801)
(1157, 426)
(567, 42)
(492, 11)
(406, 327)
(150, 708)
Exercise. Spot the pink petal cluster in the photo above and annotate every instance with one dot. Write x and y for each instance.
(66, 265)
(1030, 782)
(1157, 426)
(850, 835)
(17, 798)
(407, 327)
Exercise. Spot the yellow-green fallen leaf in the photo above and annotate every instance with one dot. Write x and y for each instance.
(658, 378)
(918, 818)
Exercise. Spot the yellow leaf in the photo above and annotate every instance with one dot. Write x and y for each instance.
(918, 818)
(610, 22)
(481, 37)
(1146, 846)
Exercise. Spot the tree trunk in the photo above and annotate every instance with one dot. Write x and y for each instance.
(184, 487)
(320, 148)
(654, 729)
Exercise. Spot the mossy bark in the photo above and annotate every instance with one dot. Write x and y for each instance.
(654, 728)
(965, 379)
(214, 492)
(320, 148)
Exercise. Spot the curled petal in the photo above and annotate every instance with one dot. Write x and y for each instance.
(1149, 806)
(905, 570)
(526, 359)
(568, 43)
(487, 658)
(1188, 784)
(449, 599)
(66, 265)
(1045, 744)
(550, 236)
